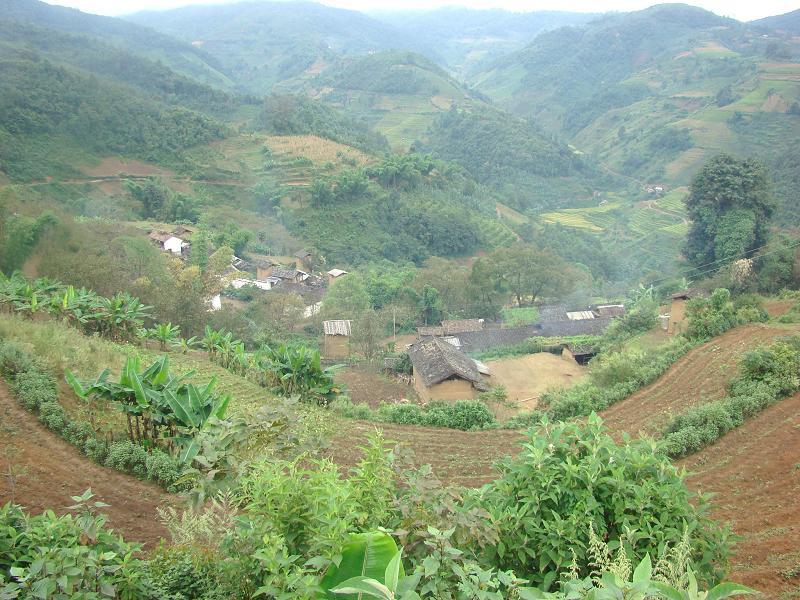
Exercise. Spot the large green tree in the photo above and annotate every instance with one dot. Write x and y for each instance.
(527, 272)
(730, 206)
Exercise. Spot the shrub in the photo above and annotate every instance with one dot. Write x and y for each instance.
(96, 449)
(127, 457)
(76, 433)
(34, 388)
(53, 415)
(345, 407)
(573, 477)
(162, 468)
(767, 374)
(709, 317)
(14, 360)
(462, 414)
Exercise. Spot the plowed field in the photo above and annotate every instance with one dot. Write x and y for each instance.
(699, 376)
(48, 470)
(755, 473)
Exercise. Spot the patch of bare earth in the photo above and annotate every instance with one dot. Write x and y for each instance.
(755, 473)
(41, 471)
(113, 166)
(367, 386)
(700, 376)
(458, 457)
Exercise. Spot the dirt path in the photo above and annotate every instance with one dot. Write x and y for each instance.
(49, 470)
(458, 457)
(755, 473)
(699, 376)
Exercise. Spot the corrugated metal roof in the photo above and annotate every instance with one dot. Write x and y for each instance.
(340, 327)
(580, 315)
(336, 272)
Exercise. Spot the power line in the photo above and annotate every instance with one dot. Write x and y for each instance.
(795, 244)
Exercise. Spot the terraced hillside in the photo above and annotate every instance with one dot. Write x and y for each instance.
(41, 471)
(698, 377)
(754, 472)
(654, 93)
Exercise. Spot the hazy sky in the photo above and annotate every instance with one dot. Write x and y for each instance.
(740, 9)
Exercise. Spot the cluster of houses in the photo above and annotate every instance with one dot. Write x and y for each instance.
(175, 242)
(442, 367)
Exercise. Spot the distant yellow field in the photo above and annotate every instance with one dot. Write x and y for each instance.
(581, 218)
(314, 148)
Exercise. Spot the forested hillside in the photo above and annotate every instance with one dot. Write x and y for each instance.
(655, 93)
(179, 56)
(260, 44)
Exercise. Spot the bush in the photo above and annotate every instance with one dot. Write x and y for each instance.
(127, 457)
(462, 414)
(76, 433)
(53, 415)
(34, 388)
(14, 360)
(573, 477)
(96, 449)
(162, 469)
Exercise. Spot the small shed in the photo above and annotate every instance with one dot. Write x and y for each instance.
(610, 310)
(334, 274)
(443, 372)
(291, 275)
(677, 310)
(168, 242)
(580, 354)
(580, 315)
(337, 338)
(304, 259)
(264, 268)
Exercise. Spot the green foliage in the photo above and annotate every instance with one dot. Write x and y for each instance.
(300, 115)
(20, 234)
(593, 483)
(41, 101)
(71, 556)
(709, 317)
(363, 554)
(767, 374)
(296, 370)
(730, 206)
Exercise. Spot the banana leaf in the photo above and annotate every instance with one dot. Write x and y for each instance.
(366, 554)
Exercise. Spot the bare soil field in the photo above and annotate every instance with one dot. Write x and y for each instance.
(755, 473)
(527, 377)
(458, 457)
(48, 470)
(314, 148)
(365, 386)
(698, 377)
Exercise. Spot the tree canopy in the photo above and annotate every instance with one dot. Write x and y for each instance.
(730, 205)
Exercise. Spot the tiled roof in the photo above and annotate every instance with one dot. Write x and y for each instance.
(461, 326)
(436, 360)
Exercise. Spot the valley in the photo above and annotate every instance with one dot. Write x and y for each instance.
(298, 301)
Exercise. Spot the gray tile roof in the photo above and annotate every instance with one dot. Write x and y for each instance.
(436, 360)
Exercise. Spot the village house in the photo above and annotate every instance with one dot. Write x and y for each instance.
(677, 310)
(263, 268)
(334, 274)
(337, 338)
(453, 327)
(290, 275)
(304, 260)
(168, 242)
(443, 372)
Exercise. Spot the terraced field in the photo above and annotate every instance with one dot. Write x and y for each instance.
(698, 377)
(755, 474)
(593, 218)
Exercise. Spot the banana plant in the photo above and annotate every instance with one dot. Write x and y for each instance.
(166, 334)
(184, 344)
(191, 410)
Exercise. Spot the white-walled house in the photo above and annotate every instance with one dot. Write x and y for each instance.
(169, 242)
